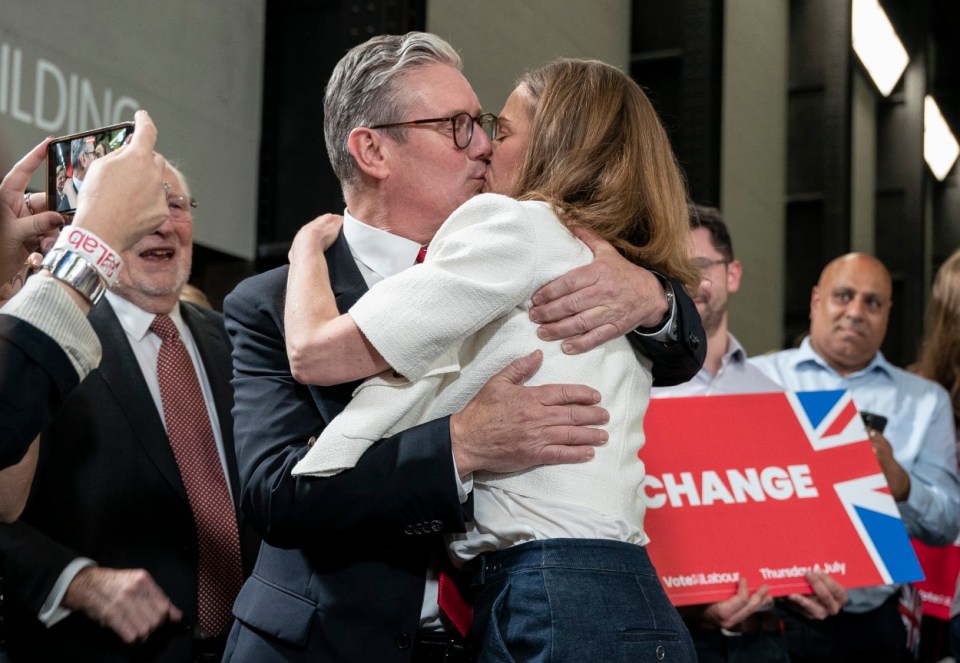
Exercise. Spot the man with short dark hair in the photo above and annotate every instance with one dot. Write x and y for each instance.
(741, 628)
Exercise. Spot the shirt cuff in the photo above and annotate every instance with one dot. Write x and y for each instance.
(51, 612)
(666, 332)
(46, 305)
(463, 487)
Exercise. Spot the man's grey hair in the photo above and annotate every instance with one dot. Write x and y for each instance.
(366, 89)
(76, 151)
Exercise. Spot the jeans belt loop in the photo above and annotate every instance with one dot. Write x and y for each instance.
(480, 576)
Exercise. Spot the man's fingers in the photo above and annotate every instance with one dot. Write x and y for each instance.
(562, 454)
(742, 605)
(592, 339)
(594, 242)
(570, 326)
(565, 394)
(830, 594)
(808, 606)
(520, 370)
(174, 614)
(569, 283)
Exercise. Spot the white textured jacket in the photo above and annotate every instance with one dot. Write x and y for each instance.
(448, 325)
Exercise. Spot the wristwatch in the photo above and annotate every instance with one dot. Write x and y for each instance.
(74, 270)
(661, 327)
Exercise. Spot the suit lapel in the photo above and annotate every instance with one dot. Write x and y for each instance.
(121, 373)
(348, 286)
(345, 277)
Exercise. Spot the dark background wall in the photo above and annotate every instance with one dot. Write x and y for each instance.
(676, 53)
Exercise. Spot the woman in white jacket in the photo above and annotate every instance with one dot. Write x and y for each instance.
(562, 574)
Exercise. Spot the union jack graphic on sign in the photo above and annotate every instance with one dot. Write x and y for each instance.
(766, 487)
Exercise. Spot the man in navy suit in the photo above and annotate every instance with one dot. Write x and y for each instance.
(105, 562)
(349, 566)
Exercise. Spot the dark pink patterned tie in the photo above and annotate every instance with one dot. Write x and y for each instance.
(421, 254)
(195, 449)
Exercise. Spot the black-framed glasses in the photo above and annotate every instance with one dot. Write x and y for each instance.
(703, 264)
(180, 206)
(461, 124)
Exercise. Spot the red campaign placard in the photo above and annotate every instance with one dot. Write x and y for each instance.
(764, 487)
(941, 565)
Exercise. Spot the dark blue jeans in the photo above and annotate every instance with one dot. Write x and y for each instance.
(575, 600)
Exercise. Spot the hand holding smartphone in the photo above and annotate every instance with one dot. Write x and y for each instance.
(875, 421)
(69, 157)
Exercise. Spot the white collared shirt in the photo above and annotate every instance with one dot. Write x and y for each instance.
(378, 253)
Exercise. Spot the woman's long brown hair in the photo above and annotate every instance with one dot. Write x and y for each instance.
(599, 154)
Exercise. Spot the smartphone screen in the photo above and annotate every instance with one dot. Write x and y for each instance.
(69, 157)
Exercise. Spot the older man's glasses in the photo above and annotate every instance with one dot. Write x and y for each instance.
(180, 207)
(461, 125)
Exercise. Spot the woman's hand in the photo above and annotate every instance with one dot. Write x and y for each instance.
(123, 199)
(315, 237)
(23, 228)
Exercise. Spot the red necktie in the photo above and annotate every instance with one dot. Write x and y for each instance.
(452, 603)
(195, 450)
(421, 255)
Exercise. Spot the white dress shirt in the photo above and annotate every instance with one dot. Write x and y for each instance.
(736, 376)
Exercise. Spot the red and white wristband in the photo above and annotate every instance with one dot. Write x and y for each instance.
(101, 257)
(84, 262)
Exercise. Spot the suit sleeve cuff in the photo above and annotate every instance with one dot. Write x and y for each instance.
(666, 331)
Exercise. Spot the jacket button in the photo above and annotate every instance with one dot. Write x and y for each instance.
(436, 525)
(312, 441)
(694, 341)
(402, 641)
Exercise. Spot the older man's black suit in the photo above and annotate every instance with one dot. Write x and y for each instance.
(107, 487)
(341, 573)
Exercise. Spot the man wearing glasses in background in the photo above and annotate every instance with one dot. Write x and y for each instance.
(130, 548)
(742, 628)
(350, 565)
(82, 154)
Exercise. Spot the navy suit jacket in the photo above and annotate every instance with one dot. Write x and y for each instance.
(107, 487)
(341, 572)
